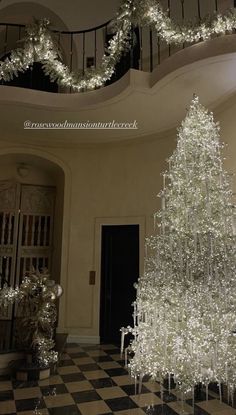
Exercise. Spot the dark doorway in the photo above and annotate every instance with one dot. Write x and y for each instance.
(119, 272)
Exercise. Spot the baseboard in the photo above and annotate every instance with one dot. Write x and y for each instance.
(74, 338)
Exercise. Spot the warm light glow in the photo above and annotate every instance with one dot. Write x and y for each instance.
(185, 311)
(39, 45)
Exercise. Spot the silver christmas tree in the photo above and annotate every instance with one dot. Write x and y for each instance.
(185, 311)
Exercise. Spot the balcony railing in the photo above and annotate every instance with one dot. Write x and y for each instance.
(84, 48)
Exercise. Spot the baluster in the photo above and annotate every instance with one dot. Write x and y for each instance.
(182, 7)
(83, 53)
(27, 231)
(9, 229)
(39, 231)
(31, 263)
(105, 43)
(12, 228)
(199, 9)
(49, 230)
(5, 42)
(169, 14)
(141, 47)
(158, 50)
(37, 264)
(0, 270)
(3, 228)
(95, 48)
(151, 50)
(59, 40)
(131, 63)
(7, 269)
(32, 231)
(24, 266)
(71, 55)
(45, 231)
(216, 5)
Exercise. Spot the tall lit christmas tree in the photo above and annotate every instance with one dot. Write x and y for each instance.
(185, 311)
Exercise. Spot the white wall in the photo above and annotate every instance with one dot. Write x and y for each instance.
(112, 182)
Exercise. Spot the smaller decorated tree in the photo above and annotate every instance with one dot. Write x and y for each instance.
(36, 306)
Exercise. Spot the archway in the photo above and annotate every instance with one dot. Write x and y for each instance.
(36, 168)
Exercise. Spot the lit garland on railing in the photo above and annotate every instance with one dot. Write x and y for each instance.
(39, 45)
(151, 12)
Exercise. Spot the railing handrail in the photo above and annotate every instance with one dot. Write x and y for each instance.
(63, 32)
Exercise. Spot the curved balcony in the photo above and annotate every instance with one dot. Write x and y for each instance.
(82, 49)
(155, 90)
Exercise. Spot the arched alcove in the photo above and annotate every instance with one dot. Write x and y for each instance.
(34, 168)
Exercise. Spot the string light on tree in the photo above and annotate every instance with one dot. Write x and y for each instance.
(185, 311)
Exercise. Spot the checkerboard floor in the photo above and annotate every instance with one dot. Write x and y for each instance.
(92, 380)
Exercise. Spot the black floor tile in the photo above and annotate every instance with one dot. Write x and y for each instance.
(86, 396)
(77, 354)
(7, 396)
(166, 383)
(121, 362)
(159, 410)
(73, 377)
(102, 359)
(199, 397)
(166, 396)
(115, 404)
(92, 347)
(112, 351)
(130, 389)
(18, 384)
(119, 404)
(53, 389)
(88, 367)
(120, 371)
(29, 404)
(66, 362)
(199, 411)
(102, 383)
(213, 387)
(147, 378)
(65, 410)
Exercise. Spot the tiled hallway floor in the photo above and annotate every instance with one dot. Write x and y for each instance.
(91, 380)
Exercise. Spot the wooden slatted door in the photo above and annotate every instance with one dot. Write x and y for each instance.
(26, 232)
(35, 229)
(9, 215)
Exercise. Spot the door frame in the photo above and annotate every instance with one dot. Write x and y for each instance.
(97, 252)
